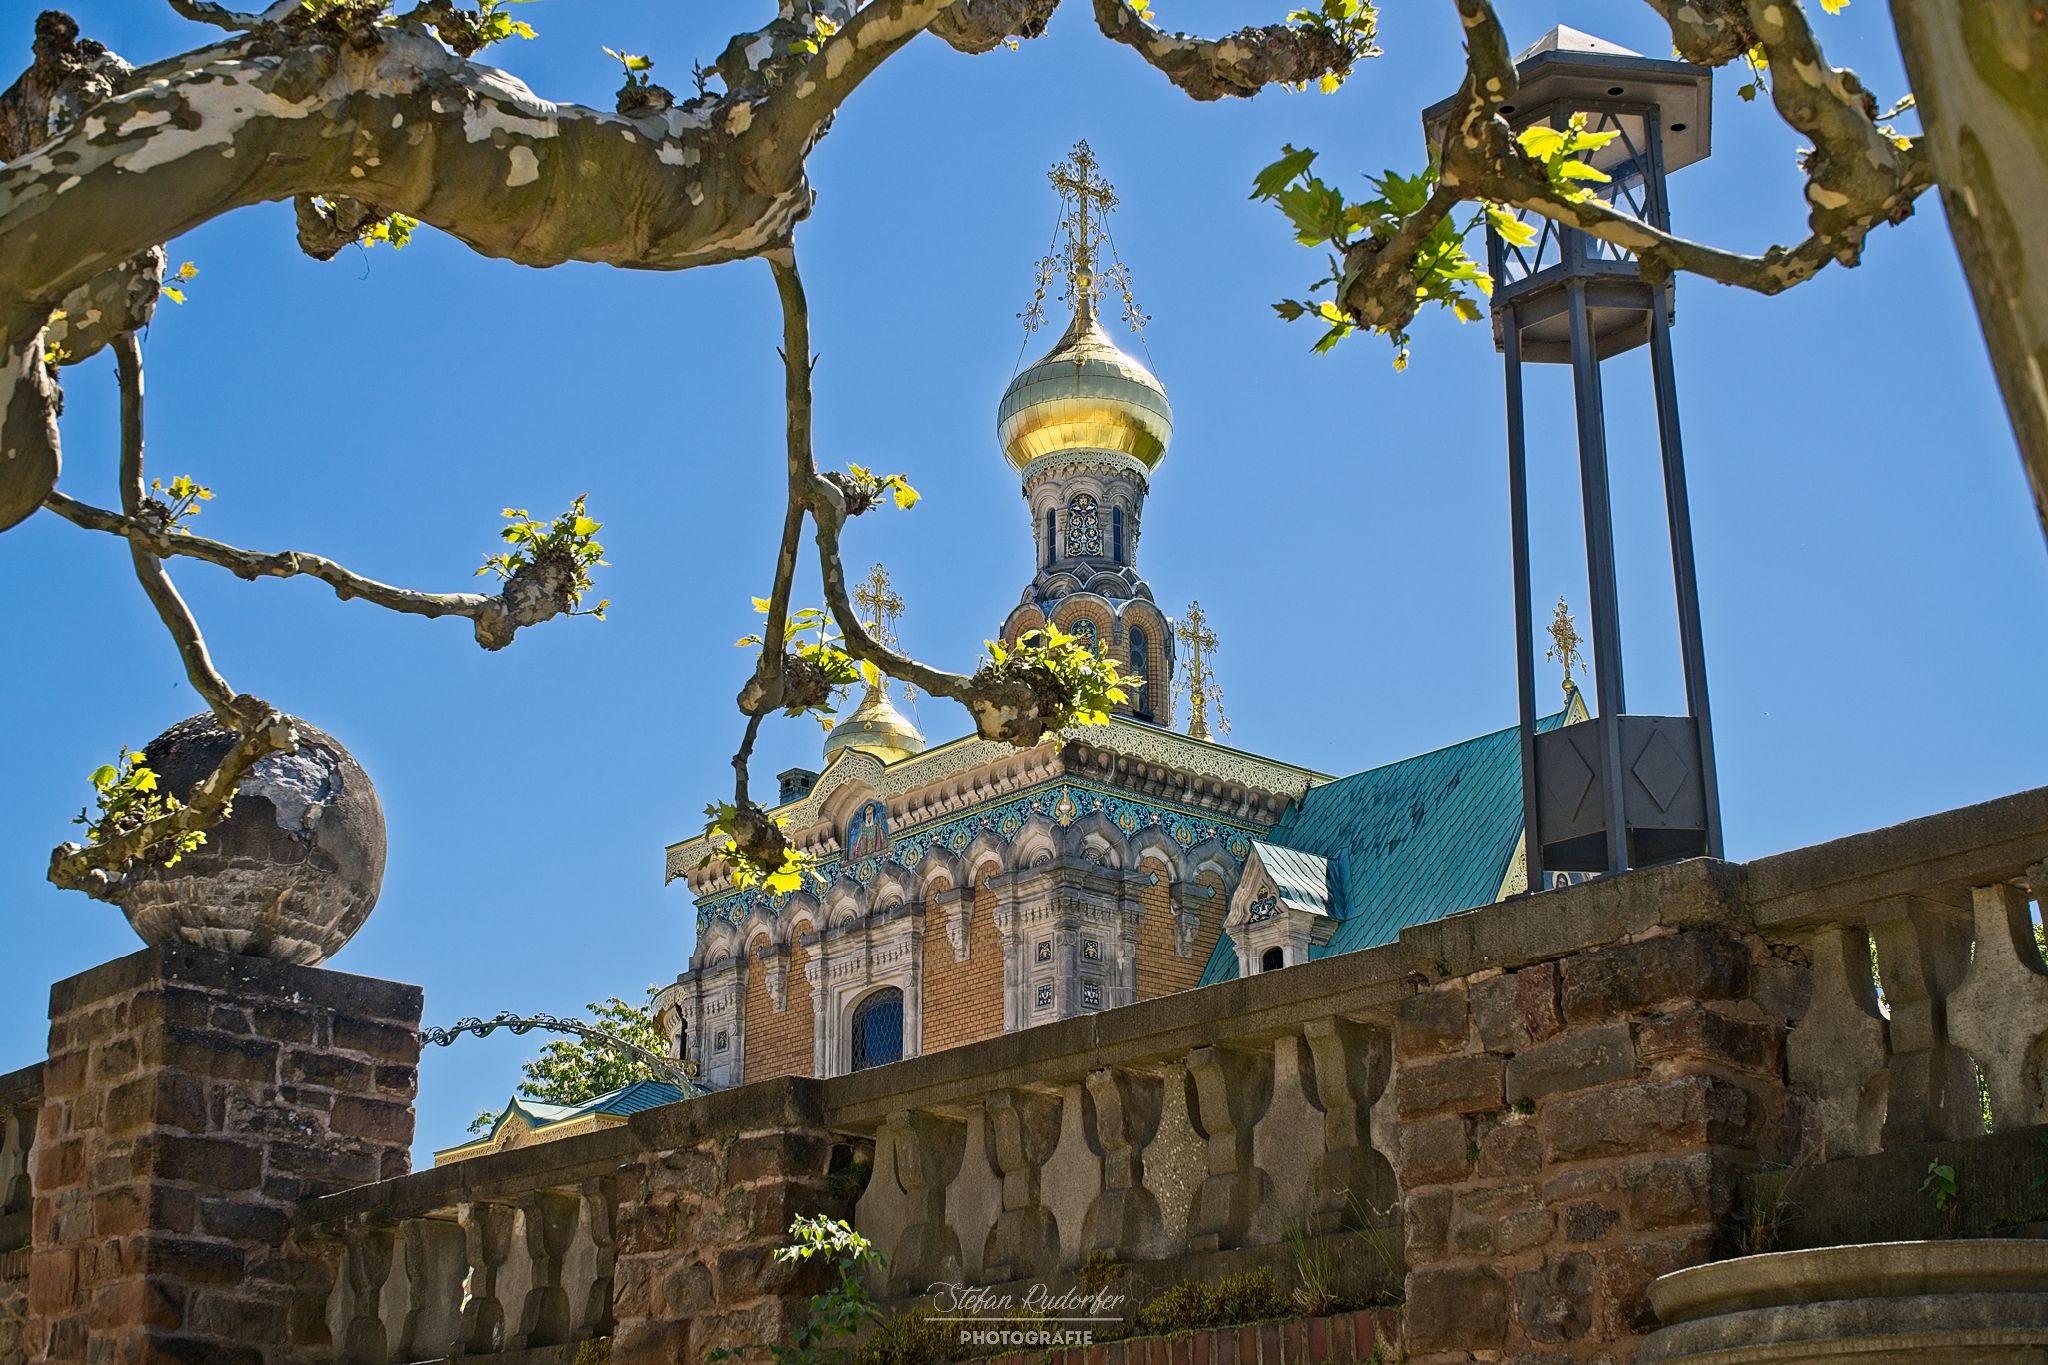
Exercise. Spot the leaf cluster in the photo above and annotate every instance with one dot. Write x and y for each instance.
(1074, 684)
(468, 32)
(1556, 151)
(837, 1314)
(813, 669)
(566, 542)
(175, 292)
(128, 797)
(171, 506)
(821, 29)
(1352, 25)
(638, 67)
(754, 849)
(864, 489)
(1444, 270)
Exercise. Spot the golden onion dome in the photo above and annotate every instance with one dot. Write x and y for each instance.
(1085, 394)
(875, 727)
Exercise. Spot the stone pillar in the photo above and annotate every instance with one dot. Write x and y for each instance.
(1573, 1128)
(191, 1099)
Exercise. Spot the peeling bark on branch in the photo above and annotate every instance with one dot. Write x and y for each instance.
(1239, 66)
(1979, 70)
(530, 597)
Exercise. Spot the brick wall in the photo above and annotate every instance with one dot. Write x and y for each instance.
(190, 1101)
(708, 1200)
(1161, 971)
(1574, 1128)
(780, 1042)
(963, 1001)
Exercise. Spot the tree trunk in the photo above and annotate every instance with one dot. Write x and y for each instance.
(1980, 68)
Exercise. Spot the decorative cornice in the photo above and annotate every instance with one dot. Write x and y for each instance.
(1086, 462)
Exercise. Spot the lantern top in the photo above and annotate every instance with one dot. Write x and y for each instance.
(1575, 69)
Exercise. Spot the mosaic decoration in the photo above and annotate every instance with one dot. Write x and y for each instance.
(722, 1041)
(1084, 531)
(1063, 802)
(1091, 950)
(1044, 950)
(1091, 996)
(1264, 908)
(1045, 996)
(1084, 631)
(867, 834)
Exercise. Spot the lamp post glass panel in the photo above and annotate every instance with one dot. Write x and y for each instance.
(1619, 790)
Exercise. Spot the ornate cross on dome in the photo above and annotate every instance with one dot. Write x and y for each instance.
(1193, 631)
(1564, 635)
(879, 602)
(1086, 201)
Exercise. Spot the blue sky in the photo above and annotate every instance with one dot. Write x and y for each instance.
(1872, 580)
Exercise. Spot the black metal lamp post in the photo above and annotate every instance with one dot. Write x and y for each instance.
(1621, 790)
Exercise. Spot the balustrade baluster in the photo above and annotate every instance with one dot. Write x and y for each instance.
(1999, 1015)
(1124, 1220)
(487, 1229)
(1352, 1066)
(436, 1263)
(1836, 1053)
(1023, 1129)
(549, 1218)
(1232, 1090)
(1923, 950)
(600, 1229)
(367, 1266)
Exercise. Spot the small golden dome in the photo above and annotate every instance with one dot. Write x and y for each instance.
(875, 727)
(1085, 395)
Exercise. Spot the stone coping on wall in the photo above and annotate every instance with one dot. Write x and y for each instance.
(1936, 857)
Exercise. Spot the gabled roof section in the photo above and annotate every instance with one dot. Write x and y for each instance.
(1301, 880)
(1408, 842)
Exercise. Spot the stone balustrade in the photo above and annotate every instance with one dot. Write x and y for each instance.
(1926, 973)
(1554, 1099)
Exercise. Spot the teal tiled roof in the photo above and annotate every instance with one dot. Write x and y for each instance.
(1409, 842)
(627, 1099)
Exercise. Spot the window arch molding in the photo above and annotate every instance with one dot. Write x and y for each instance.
(875, 1029)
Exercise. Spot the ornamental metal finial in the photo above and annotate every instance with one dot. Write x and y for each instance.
(1565, 648)
(1200, 680)
(877, 599)
(1086, 201)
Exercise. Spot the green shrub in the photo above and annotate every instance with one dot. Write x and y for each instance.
(1192, 1305)
(914, 1338)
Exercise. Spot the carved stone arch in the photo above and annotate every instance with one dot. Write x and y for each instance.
(803, 906)
(1105, 584)
(717, 944)
(893, 886)
(939, 870)
(1036, 843)
(988, 853)
(1023, 618)
(1096, 836)
(1153, 846)
(1060, 585)
(1212, 857)
(846, 798)
(842, 906)
(758, 924)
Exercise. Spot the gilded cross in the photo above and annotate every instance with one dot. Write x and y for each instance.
(1193, 632)
(879, 604)
(1565, 643)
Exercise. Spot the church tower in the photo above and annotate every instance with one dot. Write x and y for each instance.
(1086, 426)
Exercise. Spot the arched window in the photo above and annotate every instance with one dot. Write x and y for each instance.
(1052, 539)
(878, 1029)
(1084, 535)
(1116, 534)
(1084, 631)
(1141, 653)
(1273, 960)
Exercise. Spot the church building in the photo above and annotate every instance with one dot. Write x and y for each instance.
(973, 888)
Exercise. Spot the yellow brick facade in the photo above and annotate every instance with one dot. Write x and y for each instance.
(963, 1001)
(1161, 971)
(779, 1042)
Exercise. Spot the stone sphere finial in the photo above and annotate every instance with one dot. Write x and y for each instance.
(290, 875)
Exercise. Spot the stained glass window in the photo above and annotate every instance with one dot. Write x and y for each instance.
(1116, 534)
(1051, 537)
(1084, 536)
(1084, 631)
(1141, 648)
(878, 1029)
